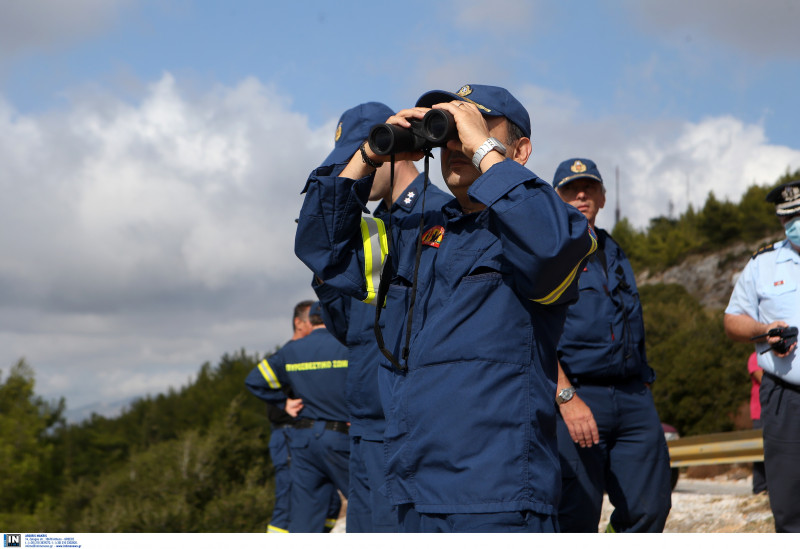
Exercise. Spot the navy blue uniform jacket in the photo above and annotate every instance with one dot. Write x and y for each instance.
(351, 320)
(315, 367)
(603, 336)
(470, 426)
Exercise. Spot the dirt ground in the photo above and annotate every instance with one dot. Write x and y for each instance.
(720, 503)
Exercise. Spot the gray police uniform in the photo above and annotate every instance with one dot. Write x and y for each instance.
(769, 290)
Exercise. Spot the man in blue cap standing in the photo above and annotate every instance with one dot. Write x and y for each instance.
(352, 321)
(471, 320)
(767, 297)
(315, 367)
(609, 434)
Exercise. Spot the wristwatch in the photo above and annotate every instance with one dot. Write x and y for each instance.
(489, 145)
(565, 395)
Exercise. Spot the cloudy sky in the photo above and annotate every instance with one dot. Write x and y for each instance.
(152, 152)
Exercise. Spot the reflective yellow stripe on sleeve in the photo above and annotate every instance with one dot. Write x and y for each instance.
(376, 246)
(553, 296)
(269, 375)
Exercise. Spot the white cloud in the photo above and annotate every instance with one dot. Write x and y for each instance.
(141, 233)
(656, 158)
(722, 155)
(145, 238)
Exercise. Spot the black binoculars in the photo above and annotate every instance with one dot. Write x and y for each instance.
(788, 337)
(434, 130)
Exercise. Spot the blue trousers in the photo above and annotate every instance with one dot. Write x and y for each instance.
(368, 510)
(526, 522)
(319, 459)
(780, 416)
(631, 463)
(279, 453)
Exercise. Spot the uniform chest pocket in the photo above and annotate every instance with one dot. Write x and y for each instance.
(393, 321)
(595, 327)
(780, 297)
(781, 287)
(481, 273)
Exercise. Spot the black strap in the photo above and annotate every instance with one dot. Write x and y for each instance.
(385, 281)
(387, 272)
(413, 298)
(383, 289)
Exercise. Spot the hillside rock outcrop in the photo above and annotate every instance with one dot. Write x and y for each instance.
(708, 277)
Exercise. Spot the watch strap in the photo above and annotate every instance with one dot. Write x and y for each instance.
(491, 144)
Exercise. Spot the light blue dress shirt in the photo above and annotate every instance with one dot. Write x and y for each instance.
(769, 290)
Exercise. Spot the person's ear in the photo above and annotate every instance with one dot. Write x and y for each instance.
(521, 150)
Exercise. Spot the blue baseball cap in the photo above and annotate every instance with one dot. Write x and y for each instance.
(491, 100)
(353, 129)
(576, 168)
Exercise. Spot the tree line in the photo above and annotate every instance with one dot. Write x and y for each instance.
(196, 459)
(667, 241)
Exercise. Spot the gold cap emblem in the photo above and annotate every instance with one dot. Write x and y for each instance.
(465, 91)
(338, 132)
(578, 167)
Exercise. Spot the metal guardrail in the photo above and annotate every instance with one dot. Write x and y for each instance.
(735, 447)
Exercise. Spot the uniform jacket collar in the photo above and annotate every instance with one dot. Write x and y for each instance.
(786, 252)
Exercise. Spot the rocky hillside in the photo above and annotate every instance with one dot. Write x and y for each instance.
(709, 277)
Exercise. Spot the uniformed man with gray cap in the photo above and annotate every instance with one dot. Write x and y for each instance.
(767, 297)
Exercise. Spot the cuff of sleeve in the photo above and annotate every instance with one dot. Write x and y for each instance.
(498, 181)
(325, 292)
(361, 190)
(322, 171)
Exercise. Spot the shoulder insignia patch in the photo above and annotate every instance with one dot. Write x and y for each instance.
(433, 236)
(763, 249)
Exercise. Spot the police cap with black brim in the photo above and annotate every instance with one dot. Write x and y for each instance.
(786, 198)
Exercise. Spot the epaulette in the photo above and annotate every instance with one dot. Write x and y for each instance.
(763, 249)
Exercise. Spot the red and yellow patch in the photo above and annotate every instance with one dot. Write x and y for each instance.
(433, 236)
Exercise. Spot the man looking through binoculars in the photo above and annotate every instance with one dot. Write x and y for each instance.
(471, 319)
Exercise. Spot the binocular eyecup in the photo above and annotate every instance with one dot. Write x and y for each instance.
(434, 130)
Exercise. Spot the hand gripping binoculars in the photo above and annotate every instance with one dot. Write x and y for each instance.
(788, 337)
